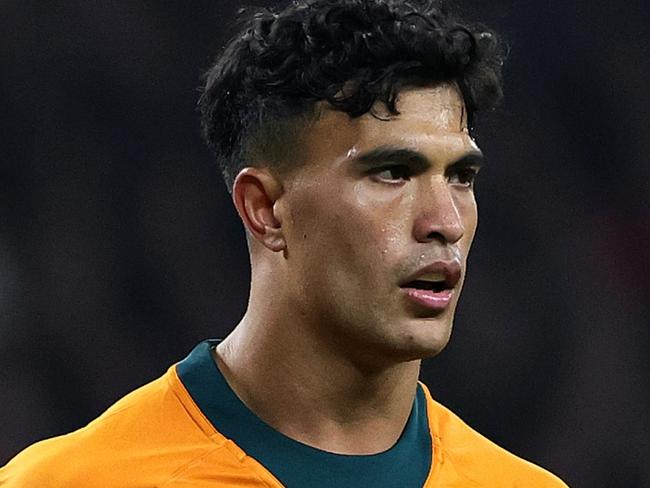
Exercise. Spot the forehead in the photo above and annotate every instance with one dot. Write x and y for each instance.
(431, 119)
(440, 108)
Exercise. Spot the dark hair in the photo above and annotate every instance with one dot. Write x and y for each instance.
(350, 53)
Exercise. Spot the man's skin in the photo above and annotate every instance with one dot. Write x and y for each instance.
(329, 350)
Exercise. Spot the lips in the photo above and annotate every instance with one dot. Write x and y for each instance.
(433, 286)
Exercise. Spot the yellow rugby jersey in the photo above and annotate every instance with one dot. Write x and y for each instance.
(188, 429)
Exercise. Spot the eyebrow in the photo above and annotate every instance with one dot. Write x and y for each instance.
(395, 154)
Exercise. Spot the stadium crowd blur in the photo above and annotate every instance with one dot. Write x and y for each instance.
(119, 248)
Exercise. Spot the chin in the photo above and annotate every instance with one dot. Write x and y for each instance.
(422, 339)
(429, 349)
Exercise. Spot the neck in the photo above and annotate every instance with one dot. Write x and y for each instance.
(311, 392)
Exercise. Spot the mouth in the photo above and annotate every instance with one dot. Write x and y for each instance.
(436, 286)
(433, 287)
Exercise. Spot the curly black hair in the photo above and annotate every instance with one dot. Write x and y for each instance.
(349, 53)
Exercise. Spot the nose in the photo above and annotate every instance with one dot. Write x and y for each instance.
(438, 217)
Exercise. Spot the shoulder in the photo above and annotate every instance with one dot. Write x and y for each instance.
(477, 459)
(153, 423)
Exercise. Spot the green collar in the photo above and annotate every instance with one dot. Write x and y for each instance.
(404, 465)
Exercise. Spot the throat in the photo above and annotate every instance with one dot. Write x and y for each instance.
(322, 405)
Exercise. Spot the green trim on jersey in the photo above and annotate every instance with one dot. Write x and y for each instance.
(404, 465)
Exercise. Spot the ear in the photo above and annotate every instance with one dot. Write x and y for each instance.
(254, 193)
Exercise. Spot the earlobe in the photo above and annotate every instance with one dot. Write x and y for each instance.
(255, 193)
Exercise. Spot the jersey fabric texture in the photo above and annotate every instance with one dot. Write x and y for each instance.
(189, 429)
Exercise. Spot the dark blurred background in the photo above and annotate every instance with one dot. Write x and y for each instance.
(119, 249)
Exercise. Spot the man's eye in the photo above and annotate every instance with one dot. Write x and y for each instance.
(464, 177)
(392, 174)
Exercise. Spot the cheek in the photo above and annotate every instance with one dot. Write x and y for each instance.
(376, 219)
(353, 229)
(467, 209)
(368, 196)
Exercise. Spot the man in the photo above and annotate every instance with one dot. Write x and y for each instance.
(343, 132)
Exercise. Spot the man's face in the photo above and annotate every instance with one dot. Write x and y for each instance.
(381, 216)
